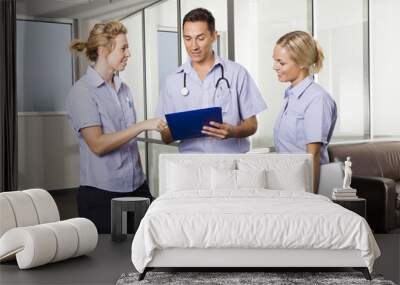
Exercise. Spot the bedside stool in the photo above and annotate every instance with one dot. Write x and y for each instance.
(119, 209)
(357, 205)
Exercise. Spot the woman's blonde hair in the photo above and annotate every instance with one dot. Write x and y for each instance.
(304, 50)
(102, 35)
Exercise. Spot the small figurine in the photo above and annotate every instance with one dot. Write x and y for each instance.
(347, 174)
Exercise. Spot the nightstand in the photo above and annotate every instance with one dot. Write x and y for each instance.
(119, 207)
(357, 205)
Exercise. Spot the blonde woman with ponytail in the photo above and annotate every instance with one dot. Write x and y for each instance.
(307, 119)
(101, 112)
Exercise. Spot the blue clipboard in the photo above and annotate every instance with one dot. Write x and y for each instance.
(188, 125)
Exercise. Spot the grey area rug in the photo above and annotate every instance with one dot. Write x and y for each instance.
(232, 278)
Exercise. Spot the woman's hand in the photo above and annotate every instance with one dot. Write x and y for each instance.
(315, 150)
(156, 124)
(101, 144)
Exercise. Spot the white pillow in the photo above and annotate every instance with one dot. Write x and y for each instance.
(193, 175)
(223, 179)
(281, 174)
(293, 179)
(227, 179)
(251, 178)
(183, 178)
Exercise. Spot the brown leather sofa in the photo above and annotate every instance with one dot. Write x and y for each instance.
(376, 176)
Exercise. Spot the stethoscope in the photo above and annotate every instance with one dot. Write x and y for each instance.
(185, 90)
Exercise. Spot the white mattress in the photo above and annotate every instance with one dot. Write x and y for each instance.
(252, 218)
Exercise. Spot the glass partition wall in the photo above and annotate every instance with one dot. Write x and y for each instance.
(384, 62)
(343, 34)
(161, 41)
(133, 75)
(154, 48)
(355, 69)
(258, 25)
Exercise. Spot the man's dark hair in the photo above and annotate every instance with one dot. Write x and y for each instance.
(200, 15)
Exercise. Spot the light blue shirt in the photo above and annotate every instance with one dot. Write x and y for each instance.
(308, 116)
(93, 102)
(239, 102)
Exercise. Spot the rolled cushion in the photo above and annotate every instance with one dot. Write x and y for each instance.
(7, 218)
(46, 208)
(37, 245)
(26, 208)
(67, 240)
(23, 208)
(87, 234)
(33, 246)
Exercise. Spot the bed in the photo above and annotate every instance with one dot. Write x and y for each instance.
(246, 211)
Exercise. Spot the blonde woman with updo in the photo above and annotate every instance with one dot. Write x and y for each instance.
(308, 116)
(102, 114)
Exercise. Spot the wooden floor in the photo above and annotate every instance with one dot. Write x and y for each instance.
(110, 259)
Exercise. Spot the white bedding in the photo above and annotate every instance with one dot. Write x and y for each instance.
(251, 218)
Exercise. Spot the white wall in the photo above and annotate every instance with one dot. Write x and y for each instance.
(342, 33)
(48, 153)
(258, 25)
(385, 62)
